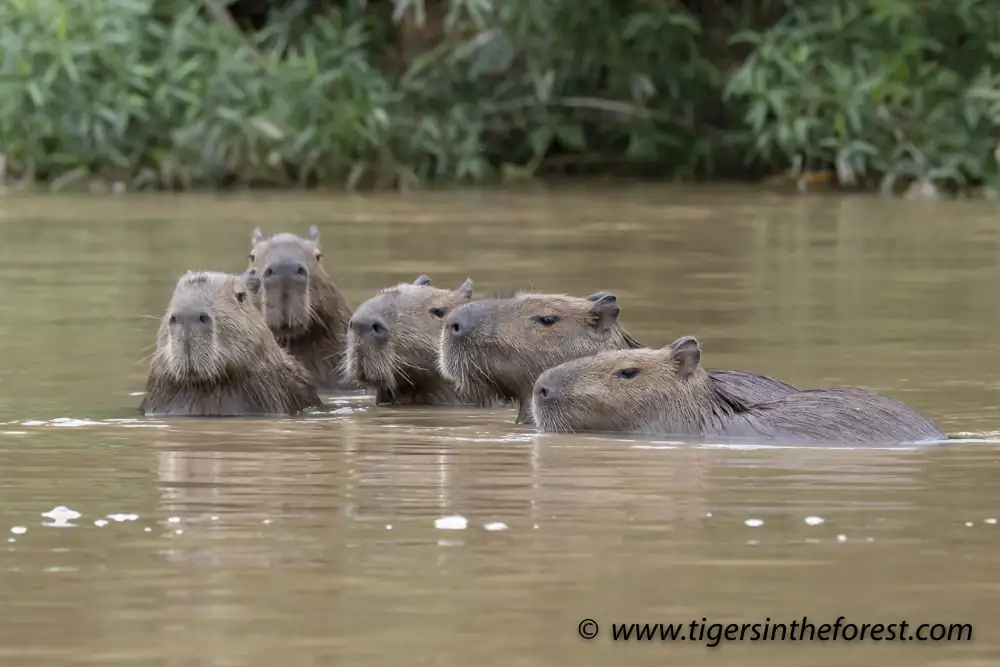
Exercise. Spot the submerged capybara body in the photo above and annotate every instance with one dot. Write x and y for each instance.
(300, 302)
(666, 391)
(215, 356)
(503, 345)
(392, 345)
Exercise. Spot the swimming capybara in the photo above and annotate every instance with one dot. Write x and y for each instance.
(392, 345)
(215, 356)
(666, 391)
(503, 345)
(301, 303)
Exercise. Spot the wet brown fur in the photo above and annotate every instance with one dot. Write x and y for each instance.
(234, 367)
(666, 391)
(398, 358)
(311, 325)
(512, 345)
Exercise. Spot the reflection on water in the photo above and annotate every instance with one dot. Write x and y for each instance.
(454, 537)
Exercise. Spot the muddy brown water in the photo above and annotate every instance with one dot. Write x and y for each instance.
(314, 541)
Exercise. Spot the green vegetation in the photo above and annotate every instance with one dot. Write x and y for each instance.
(175, 94)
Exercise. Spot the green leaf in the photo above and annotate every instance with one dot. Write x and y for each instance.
(540, 139)
(571, 136)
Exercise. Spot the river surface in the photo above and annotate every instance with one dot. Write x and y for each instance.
(320, 541)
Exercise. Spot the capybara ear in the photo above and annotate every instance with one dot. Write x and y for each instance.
(257, 237)
(422, 280)
(465, 289)
(685, 354)
(314, 234)
(604, 309)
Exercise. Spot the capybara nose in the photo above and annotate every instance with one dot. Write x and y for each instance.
(296, 271)
(545, 393)
(193, 319)
(463, 321)
(369, 326)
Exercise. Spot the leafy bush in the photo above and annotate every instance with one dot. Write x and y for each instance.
(895, 89)
(104, 85)
(165, 93)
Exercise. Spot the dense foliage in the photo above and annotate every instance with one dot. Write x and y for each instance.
(168, 93)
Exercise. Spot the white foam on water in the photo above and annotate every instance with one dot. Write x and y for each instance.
(61, 513)
(454, 522)
(68, 421)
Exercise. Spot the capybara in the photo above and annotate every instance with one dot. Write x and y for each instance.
(301, 303)
(392, 345)
(215, 356)
(666, 391)
(503, 345)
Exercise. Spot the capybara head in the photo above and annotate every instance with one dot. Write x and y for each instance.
(625, 390)
(216, 356)
(292, 282)
(300, 302)
(505, 344)
(210, 325)
(392, 338)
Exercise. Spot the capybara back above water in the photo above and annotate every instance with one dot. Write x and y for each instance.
(666, 391)
(300, 302)
(215, 356)
(503, 345)
(392, 344)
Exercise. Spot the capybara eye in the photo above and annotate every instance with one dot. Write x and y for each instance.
(439, 312)
(376, 328)
(546, 320)
(173, 320)
(253, 257)
(319, 256)
(627, 373)
(203, 318)
(241, 296)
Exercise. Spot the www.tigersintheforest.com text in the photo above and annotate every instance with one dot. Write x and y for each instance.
(713, 634)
